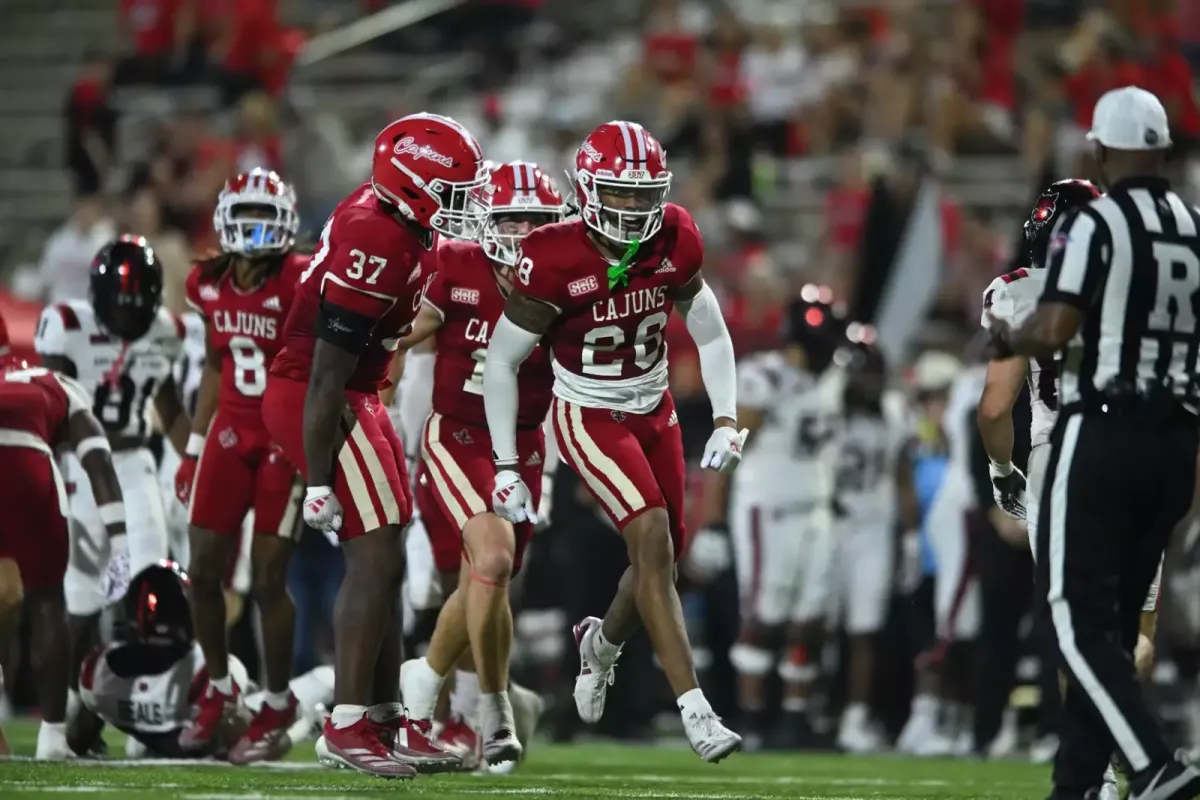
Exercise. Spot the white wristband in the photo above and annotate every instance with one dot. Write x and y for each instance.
(1002, 468)
(195, 445)
(91, 444)
(317, 491)
(112, 513)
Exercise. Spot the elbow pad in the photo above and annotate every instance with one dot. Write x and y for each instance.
(345, 329)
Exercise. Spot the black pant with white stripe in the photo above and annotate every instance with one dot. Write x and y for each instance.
(1115, 487)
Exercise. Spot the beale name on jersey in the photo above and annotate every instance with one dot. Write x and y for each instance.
(370, 264)
(247, 331)
(120, 377)
(468, 298)
(608, 346)
(791, 458)
(1011, 299)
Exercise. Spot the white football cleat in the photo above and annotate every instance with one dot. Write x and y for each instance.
(711, 740)
(591, 685)
(860, 739)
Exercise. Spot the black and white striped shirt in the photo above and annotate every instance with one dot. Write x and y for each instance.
(1130, 261)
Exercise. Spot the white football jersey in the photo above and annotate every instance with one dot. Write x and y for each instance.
(868, 448)
(114, 687)
(959, 424)
(1012, 298)
(791, 458)
(190, 365)
(122, 378)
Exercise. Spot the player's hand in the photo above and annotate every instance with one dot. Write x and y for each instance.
(511, 499)
(184, 476)
(545, 503)
(1143, 656)
(708, 554)
(998, 346)
(322, 509)
(1008, 488)
(724, 449)
(116, 578)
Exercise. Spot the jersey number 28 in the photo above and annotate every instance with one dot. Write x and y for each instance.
(647, 346)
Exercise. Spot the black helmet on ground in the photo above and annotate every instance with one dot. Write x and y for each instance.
(158, 608)
(126, 287)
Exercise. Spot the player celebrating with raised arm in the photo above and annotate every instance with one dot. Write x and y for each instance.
(231, 466)
(462, 306)
(600, 290)
(358, 297)
(40, 411)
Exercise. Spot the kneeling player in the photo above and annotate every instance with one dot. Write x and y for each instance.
(40, 411)
(478, 549)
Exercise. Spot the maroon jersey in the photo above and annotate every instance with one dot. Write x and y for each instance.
(608, 344)
(465, 293)
(35, 405)
(246, 329)
(370, 264)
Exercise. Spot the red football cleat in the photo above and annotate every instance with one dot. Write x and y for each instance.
(461, 739)
(214, 707)
(365, 746)
(267, 737)
(411, 743)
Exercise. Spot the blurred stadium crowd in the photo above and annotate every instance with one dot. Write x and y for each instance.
(889, 149)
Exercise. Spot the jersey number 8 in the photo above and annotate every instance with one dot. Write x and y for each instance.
(250, 366)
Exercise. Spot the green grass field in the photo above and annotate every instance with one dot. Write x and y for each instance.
(577, 771)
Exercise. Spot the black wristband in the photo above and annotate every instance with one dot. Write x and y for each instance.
(343, 328)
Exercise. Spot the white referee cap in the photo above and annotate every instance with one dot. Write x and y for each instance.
(1130, 119)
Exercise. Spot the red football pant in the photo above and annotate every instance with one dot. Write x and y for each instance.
(34, 530)
(369, 477)
(239, 470)
(628, 462)
(456, 480)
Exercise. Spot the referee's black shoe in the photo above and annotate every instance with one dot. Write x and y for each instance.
(1171, 781)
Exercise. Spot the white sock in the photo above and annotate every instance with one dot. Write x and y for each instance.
(426, 685)
(693, 703)
(278, 700)
(52, 740)
(464, 697)
(222, 685)
(925, 706)
(855, 716)
(605, 650)
(495, 713)
(344, 716)
(313, 688)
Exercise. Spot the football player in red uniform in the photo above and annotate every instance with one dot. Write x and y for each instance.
(231, 466)
(600, 289)
(39, 411)
(358, 297)
(482, 551)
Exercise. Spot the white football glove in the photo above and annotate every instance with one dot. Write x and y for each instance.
(322, 510)
(545, 503)
(116, 578)
(511, 499)
(708, 554)
(1008, 489)
(724, 449)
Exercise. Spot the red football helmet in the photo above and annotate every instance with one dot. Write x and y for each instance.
(256, 214)
(523, 198)
(431, 169)
(621, 182)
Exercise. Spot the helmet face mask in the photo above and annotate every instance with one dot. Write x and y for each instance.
(522, 198)
(125, 288)
(256, 215)
(621, 182)
(505, 231)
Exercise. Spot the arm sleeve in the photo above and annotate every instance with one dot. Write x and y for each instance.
(51, 337)
(507, 349)
(1077, 259)
(717, 366)
(550, 466)
(416, 398)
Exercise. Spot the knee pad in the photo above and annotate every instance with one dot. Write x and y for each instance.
(750, 660)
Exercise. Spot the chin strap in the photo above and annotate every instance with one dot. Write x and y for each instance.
(620, 272)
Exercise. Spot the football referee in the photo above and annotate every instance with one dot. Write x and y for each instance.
(1121, 301)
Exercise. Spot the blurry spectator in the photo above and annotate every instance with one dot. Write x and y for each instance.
(984, 255)
(244, 40)
(845, 215)
(145, 219)
(671, 48)
(67, 257)
(1189, 32)
(161, 36)
(825, 93)
(771, 66)
(504, 22)
(1107, 67)
(1167, 74)
(755, 290)
(90, 126)
(257, 143)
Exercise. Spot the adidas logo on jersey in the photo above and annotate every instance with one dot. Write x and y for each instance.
(272, 304)
(664, 266)
(209, 292)
(535, 459)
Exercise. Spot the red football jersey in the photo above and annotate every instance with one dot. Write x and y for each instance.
(608, 344)
(247, 331)
(468, 298)
(35, 405)
(371, 264)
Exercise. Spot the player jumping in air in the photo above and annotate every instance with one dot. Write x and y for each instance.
(358, 297)
(599, 290)
(231, 466)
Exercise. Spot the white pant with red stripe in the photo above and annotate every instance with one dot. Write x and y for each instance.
(784, 553)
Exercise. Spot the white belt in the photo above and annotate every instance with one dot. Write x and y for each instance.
(10, 437)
